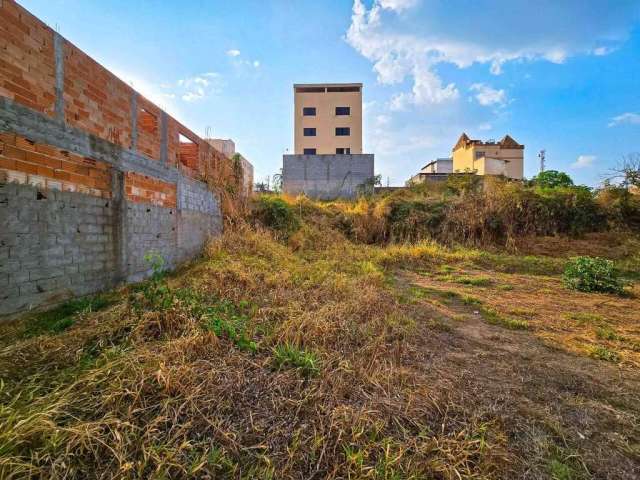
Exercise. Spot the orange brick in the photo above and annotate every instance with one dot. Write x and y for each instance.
(7, 163)
(59, 174)
(8, 138)
(45, 171)
(26, 167)
(14, 152)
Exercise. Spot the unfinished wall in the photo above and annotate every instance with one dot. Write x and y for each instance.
(326, 176)
(92, 175)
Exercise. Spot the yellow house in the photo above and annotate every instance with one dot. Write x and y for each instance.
(505, 157)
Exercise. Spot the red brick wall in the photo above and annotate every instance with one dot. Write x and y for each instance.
(148, 128)
(95, 100)
(47, 167)
(144, 189)
(27, 67)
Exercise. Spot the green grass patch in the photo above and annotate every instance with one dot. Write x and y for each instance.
(493, 317)
(288, 355)
(585, 318)
(603, 353)
(607, 333)
(62, 317)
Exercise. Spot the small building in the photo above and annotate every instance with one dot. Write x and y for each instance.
(228, 148)
(505, 157)
(438, 169)
(328, 161)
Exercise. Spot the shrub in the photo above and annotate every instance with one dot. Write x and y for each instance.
(552, 179)
(276, 214)
(592, 274)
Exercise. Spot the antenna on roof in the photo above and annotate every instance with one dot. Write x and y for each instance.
(542, 157)
(207, 132)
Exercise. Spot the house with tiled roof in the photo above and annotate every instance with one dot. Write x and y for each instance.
(504, 157)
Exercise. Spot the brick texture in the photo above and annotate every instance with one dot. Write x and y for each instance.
(44, 166)
(27, 66)
(145, 189)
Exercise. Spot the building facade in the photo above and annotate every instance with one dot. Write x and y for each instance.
(505, 157)
(328, 161)
(328, 119)
(437, 169)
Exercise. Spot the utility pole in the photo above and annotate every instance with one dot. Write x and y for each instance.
(541, 156)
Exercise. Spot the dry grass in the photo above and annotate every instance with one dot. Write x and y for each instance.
(321, 359)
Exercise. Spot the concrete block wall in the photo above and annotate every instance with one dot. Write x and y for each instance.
(326, 176)
(92, 175)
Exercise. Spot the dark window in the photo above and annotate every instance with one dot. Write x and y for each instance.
(309, 111)
(339, 151)
(343, 89)
(309, 151)
(343, 131)
(343, 110)
(310, 89)
(347, 151)
(479, 155)
(309, 132)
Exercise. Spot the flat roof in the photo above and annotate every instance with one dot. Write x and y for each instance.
(296, 85)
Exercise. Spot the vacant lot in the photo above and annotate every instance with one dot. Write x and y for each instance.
(305, 355)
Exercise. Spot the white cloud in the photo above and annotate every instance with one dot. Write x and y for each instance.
(233, 52)
(485, 126)
(584, 161)
(200, 86)
(411, 47)
(398, 5)
(256, 64)
(629, 118)
(486, 95)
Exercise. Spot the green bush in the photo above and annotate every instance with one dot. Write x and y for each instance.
(592, 274)
(276, 214)
(552, 179)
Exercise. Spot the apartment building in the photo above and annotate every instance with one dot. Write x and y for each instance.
(328, 119)
(328, 161)
(505, 157)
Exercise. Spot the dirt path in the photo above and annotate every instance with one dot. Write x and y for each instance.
(560, 412)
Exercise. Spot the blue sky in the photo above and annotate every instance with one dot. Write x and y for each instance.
(563, 75)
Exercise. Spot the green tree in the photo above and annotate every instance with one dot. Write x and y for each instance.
(552, 179)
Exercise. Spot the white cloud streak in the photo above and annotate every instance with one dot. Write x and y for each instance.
(584, 161)
(486, 95)
(625, 118)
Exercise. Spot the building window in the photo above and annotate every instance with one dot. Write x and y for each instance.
(479, 155)
(309, 111)
(343, 151)
(343, 131)
(309, 151)
(343, 110)
(188, 152)
(309, 132)
(347, 151)
(147, 121)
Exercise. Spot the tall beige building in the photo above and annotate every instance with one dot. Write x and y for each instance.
(328, 118)
(505, 157)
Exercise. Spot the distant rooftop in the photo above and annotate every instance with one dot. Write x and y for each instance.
(326, 87)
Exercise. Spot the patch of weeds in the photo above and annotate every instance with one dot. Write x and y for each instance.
(473, 281)
(288, 355)
(505, 287)
(494, 318)
(61, 318)
(592, 274)
(585, 317)
(447, 269)
(523, 312)
(564, 466)
(226, 319)
(275, 213)
(469, 300)
(603, 353)
(607, 333)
